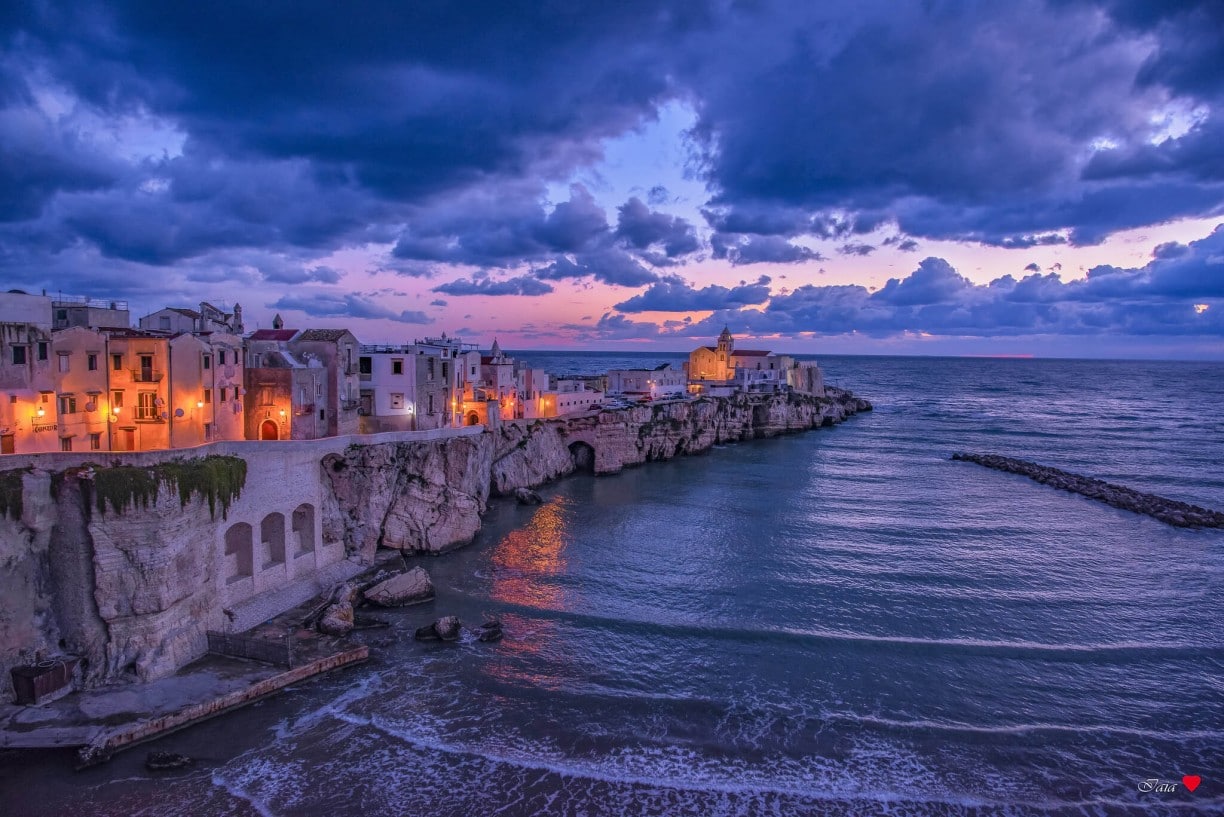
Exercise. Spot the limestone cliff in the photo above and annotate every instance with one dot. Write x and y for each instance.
(424, 497)
(610, 440)
(529, 454)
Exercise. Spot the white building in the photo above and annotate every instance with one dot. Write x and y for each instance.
(405, 388)
(663, 382)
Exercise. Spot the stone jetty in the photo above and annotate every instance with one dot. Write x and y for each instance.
(1169, 511)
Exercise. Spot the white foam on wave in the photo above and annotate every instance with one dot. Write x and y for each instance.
(1024, 728)
(679, 769)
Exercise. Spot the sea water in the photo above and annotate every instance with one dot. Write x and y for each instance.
(843, 621)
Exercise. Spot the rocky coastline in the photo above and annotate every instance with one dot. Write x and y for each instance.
(1169, 511)
(132, 586)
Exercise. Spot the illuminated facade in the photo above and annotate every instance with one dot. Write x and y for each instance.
(663, 382)
(722, 368)
(29, 421)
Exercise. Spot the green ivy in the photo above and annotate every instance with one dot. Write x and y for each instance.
(10, 492)
(216, 479)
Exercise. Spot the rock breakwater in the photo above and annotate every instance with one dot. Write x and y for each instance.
(1169, 511)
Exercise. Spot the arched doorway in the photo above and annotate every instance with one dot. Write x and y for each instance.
(584, 457)
(473, 419)
(268, 430)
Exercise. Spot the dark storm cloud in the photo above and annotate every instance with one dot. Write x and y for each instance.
(675, 295)
(482, 284)
(642, 227)
(330, 305)
(438, 127)
(856, 248)
(1164, 297)
(759, 249)
(611, 266)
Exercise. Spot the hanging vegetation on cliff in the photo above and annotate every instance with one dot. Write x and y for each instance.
(216, 479)
(10, 492)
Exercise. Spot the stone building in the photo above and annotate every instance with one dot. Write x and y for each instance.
(287, 394)
(722, 368)
(29, 417)
(660, 383)
(337, 350)
(405, 388)
(137, 364)
(208, 318)
(82, 389)
(91, 313)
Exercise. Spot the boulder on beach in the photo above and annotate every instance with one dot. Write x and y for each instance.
(446, 628)
(337, 620)
(411, 587)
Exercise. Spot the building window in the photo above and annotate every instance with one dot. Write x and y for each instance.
(221, 357)
(445, 370)
(42, 350)
(208, 431)
(431, 406)
(207, 361)
(365, 365)
(61, 314)
(91, 362)
(322, 414)
(64, 359)
(67, 404)
(208, 397)
(397, 401)
(429, 367)
(19, 355)
(65, 443)
(146, 405)
(95, 441)
(397, 366)
(116, 400)
(164, 322)
(117, 362)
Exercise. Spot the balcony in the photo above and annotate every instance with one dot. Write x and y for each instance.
(350, 405)
(146, 375)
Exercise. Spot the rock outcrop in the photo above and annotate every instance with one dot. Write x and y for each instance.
(417, 497)
(529, 454)
(1169, 511)
(447, 628)
(411, 587)
(643, 434)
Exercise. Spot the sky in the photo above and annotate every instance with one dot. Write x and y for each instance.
(1039, 177)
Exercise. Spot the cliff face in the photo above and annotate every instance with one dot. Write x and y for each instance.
(616, 439)
(410, 496)
(130, 593)
(529, 454)
(155, 583)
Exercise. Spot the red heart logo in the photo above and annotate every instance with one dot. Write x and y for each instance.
(1191, 781)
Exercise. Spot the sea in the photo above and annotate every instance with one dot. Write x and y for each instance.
(843, 621)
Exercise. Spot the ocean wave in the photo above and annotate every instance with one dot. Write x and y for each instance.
(1002, 648)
